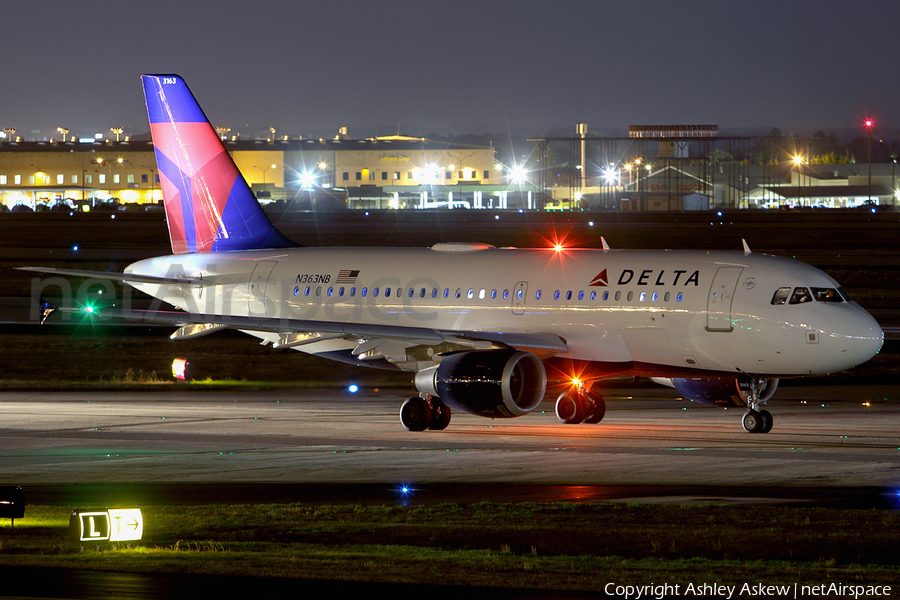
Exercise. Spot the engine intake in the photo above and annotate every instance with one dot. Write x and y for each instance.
(488, 383)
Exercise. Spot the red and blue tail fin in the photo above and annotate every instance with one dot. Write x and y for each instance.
(209, 206)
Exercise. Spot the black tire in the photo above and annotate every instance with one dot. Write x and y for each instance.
(752, 422)
(569, 409)
(767, 419)
(415, 414)
(597, 407)
(440, 416)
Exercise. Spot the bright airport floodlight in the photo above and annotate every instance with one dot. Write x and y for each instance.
(518, 175)
(307, 180)
(609, 176)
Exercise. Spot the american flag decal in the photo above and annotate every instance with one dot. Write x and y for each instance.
(347, 276)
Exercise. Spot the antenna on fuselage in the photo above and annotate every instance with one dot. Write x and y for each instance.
(605, 245)
(746, 246)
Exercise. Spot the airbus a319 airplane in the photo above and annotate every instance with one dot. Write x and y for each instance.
(483, 329)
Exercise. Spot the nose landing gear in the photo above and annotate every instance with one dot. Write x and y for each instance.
(756, 420)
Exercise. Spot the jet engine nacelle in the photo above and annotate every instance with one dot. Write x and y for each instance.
(722, 392)
(488, 383)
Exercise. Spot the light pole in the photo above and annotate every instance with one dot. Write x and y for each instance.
(893, 181)
(869, 123)
(798, 160)
(118, 131)
(264, 169)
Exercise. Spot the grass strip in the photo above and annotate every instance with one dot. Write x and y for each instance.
(529, 545)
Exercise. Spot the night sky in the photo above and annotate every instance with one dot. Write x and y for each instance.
(526, 68)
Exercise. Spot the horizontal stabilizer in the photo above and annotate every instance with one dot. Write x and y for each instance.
(124, 277)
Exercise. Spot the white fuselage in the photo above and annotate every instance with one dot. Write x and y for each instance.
(703, 311)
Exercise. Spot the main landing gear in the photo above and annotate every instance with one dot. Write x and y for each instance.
(579, 405)
(419, 414)
(756, 420)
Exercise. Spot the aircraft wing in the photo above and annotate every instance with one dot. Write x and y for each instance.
(298, 331)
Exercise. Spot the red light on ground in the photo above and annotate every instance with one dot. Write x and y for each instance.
(559, 247)
(869, 123)
(179, 368)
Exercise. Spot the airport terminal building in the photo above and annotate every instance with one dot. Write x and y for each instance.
(655, 169)
(384, 172)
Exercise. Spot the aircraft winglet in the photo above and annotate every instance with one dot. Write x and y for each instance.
(605, 245)
(746, 246)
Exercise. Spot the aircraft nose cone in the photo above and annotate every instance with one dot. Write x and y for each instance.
(859, 337)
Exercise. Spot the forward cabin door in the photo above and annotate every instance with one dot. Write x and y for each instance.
(721, 294)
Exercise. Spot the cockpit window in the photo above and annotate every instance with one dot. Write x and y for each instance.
(827, 295)
(781, 295)
(801, 295)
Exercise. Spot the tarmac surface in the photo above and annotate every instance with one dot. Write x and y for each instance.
(836, 444)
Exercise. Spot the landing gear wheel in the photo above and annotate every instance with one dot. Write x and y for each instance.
(766, 418)
(752, 422)
(569, 408)
(415, 414)
(440, 417)
(597, 407)
(756, 420)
